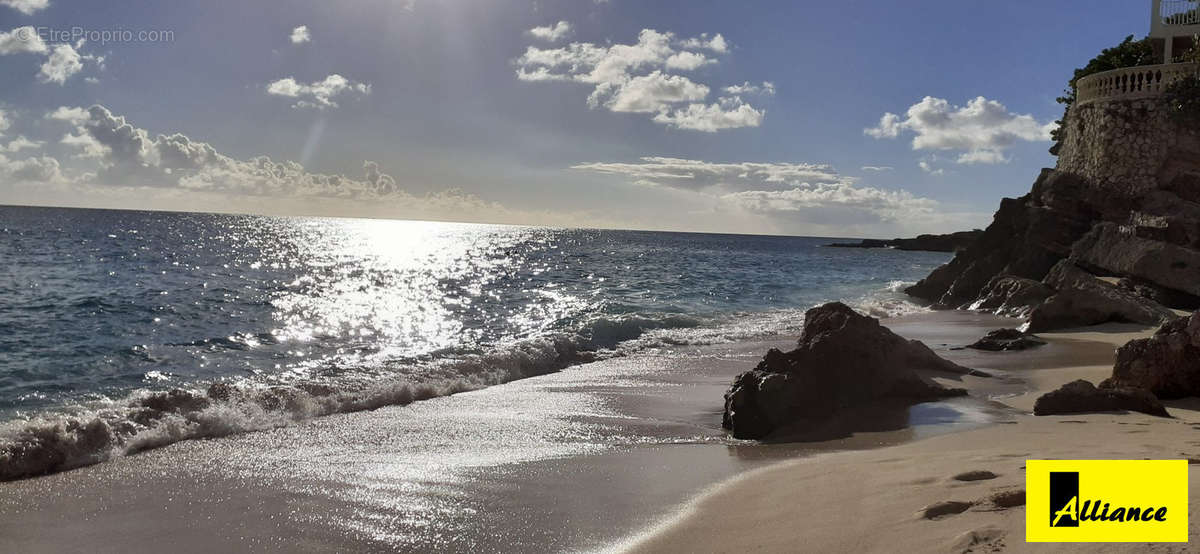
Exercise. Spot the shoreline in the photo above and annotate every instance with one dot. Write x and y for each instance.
(358, 480)
(872, 500)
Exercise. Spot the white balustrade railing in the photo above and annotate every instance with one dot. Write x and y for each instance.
(1144, 81)
(1179, 12)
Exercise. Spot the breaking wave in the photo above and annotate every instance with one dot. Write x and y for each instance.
(149, 419)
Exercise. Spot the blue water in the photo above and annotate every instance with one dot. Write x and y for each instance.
(101, 310)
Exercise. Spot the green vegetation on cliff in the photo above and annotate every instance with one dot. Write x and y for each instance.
(1128, 53)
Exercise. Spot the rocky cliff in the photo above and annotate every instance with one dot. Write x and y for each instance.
(1111, 234)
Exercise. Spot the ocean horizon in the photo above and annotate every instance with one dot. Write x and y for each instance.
(173, 325)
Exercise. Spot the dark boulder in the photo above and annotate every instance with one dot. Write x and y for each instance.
(1012, 296)
(1119, 250)
(1167, 363)
(1007, 339)
(1081, 396)
(1083, 299)
(844, 359)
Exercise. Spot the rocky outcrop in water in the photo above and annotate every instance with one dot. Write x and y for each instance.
(952, 242)
(1078, 397)
(844, 359)
(1111, 234)
(1167, 364)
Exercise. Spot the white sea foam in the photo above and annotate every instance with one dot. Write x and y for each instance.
(150, 419)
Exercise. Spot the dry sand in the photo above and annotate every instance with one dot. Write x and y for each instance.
(872, 501)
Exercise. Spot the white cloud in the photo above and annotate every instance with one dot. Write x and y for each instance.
(26, 7)
(983, 129)
(42, 169)
(767, 88)
(62, 60)
(319, 94)
(62, 63)
(21, 143)
(128, 156)
(86, 146)
(728, 113)
(551, 33)
(700, 175)
(687, 61)
(982, 157)
(815, 192)
(69, 114)
(877, 168)
(300, 35)
(838, 201)
(4, 122)
(20, 40)
(634, 78)
(716, 43)
(928, 168)
(654, 93)
(889, 127)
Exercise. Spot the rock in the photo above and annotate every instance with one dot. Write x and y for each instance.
(1082, 300)
(1027, 236)
(1083, 397)
(1161, 295)
(1007, 339)
(1123, 200)
(1167, 363)
(1117, 249)
(843, 360)
(951, 242)
(1164, 216)
(1012, 296)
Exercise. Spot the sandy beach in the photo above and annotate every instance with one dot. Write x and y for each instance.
(874, 501)
(639, 462)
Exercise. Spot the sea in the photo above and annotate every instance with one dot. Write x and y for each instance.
(124, 331)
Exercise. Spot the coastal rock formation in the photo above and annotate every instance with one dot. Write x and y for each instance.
(952, 242)
(1011, 296)
(1167, 364)
(1112, 233)
(1083, 299)
(1007, 339)
(843, 359)
(1082, 396)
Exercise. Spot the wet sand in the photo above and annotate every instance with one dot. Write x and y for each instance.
(872, 501)
(578, 460)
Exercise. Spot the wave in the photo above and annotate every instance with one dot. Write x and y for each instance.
(149, 419)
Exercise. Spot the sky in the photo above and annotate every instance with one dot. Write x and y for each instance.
(828, 119)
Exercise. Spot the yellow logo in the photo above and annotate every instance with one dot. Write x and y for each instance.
(1106, 501)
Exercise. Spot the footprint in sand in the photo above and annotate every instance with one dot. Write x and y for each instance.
(987, 539)
(1010, 498)
(946, 508)
(976, 475)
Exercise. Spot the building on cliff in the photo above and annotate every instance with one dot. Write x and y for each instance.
(1173, 26)
(1112, 233)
